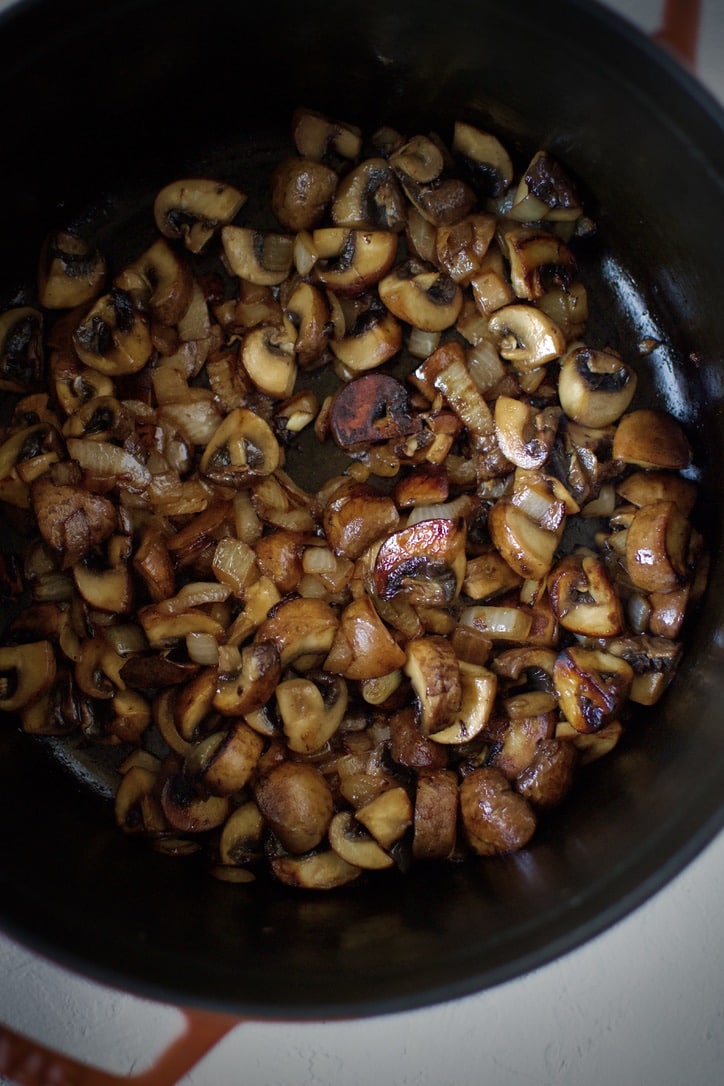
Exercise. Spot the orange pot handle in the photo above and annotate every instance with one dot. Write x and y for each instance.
(679, 29)
(29, 1063)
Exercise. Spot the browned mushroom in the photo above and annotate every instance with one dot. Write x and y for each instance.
(351, 261)
(363, 647)
(372, 407)
(583, 597)
(113, 337)
(71, 271)
(595, 387)
(651, 439)
(425, 562)
(496, 820)
(296, 802)
(21, 349)
(423, 297)
(434, 673)
(72, 521)
(436, 814)
(27, 672)
(224, 761)
(592, 686)
(194, 209)
(369, 198)
(301, 190)
(311, 709)
(657, 547)
(260, 257)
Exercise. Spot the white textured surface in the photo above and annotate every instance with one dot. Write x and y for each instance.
(643, 1003)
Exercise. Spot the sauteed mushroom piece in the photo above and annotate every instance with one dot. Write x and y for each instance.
(525, 436)
(488, 162)
(21, 349)
(297, 804)
(224, 761)
(495, 819)
(592, 686)
(113, 337)
(301, 190)
(159, 280)
(461, 247)
(27, 672)
(355, 516)
(526, 336)
(324, 870)
(137, 806)
(526, 546)
(311, 709)
(71, 520)
(387, 816)
(545, 192)
(108, 586)
(583, 598)
(478, 688)
(257, 256)
(646, 487)
(436, 814)
(423, 297)
(243, 446)
(303, 631)
(267, 354)
(373, 407)
(351, 261)
(250, 685)
(657, 547)
(355, 845)
(369, 198)
(309, 314)
(434, 673)
(595, 387)
(549, 776)
(71, 272)
(363, 647)
(194, 209)
(374, 338)
(651, 439)
(420, 165)
(538, 260)
(315, 135)
(425, 563)
(189, 810)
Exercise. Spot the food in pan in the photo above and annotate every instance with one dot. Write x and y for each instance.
(414, 659)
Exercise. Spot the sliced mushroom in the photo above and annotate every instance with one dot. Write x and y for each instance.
(488, 162)
(526, 546)
(657, 547)
(651, 439)
(189, 810)
(355, 516)
(303, 631)
(311, 710)
(160, 280)
(425, 298)
(425, 563)
(107, 587)
(75, 384)
(195, 209)
(373, 407)
(530, 719)
(352, 261)
(224, 761)
(21, 349)
(308, 312)
(369, 198)
(548, 778)
(595, 387)
(420, 164)
(460, 247)
(137, 807)
(545, 192)
(27, 672)
(592, 686)
(324, 870)
(583, 598)
(241, 837)
(296, 802)
(244, 446)
(363, 647)
(436, 814)
(538, 260)
(499, 622)
(355, 845)
(526, 337)
(316, 135)
(478, 688)
(387, 816)
(252, 684)
(374, 338)
(488, 575)
(257, 256)
(268, 356)
(526, 437)
(113, 337)
(647, 487)
(301, 190)
(71, 520)
(71, 271)
(434, 673)
(420, 160)
(496, 820)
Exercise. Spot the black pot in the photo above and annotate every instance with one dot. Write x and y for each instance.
(101, 104)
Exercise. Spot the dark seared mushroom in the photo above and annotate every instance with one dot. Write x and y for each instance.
(301, 190)
(71, 520)
(545, 191)
(436, 814)
(420, 165)
(538, 259)
(256, 256)
(478, 688)
(71, 271)
(654, 661)
(583, 598)
(485, 158)
(595, 387)
(549, 776)
(21, 349)
(425, 563)
(369, 198)
(114, 337)
(194, 209)
(225, 760)
(592, 686)
(74, 384)
(101, 418)
(423, 297)
(373, 407)
(495, 819)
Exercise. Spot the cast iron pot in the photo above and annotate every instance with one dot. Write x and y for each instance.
(101, 103)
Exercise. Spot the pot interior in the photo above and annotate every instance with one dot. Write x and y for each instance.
(102, 104)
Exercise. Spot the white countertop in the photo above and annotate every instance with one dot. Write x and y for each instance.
(643, 1003)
